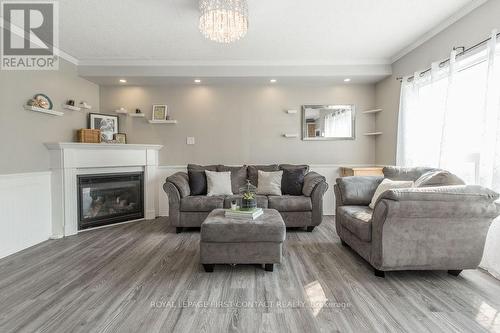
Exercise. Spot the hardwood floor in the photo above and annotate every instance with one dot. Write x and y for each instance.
(143, 277)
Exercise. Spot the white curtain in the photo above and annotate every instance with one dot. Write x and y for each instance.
(450, 118)
(338, 124)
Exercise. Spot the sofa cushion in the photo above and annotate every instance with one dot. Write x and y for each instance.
(253, 171)
(438, 178)
(358, 220)
(219, 229)
(292, 181)
(311, 180)
(201, 203)
(238, 176)
(198, 179)
(401, 173)
(290, 203)
(261, 200)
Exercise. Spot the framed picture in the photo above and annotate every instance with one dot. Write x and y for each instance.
(120, 138)
(108, 124)
(159, 112)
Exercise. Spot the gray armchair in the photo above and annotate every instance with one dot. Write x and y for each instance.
(427, 228)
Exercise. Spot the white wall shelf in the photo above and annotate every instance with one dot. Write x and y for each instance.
(291, 111)
(162, 121)
(373, 133)
(85, 106)
(372, 111)
(290, 135)
(41, 110)
(125, 112)
(71, 107)
(137, 115)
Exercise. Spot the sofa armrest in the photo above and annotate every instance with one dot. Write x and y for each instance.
(317, 202)
(181, 181)
(357, 190)
(174, 203)
(311, 180)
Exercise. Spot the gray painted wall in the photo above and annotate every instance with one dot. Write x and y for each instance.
(466, 32)
(22, 133)
(244, 123)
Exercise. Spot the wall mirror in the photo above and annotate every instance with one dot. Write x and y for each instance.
(328, 122)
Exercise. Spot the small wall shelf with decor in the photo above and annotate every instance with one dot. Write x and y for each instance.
(122, 111)
(290, 135)
(137, 115)
(71, 107)
(162, 121)
(42, 110)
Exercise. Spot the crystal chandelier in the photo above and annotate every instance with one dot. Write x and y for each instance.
(223, 21)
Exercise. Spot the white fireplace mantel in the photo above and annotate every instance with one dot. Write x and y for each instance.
(68, 160)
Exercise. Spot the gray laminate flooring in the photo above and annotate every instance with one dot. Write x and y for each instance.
(142, 277)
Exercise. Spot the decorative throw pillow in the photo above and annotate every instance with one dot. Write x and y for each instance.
(198, 179)
(238, 176)
(269, 183)
(438, 178)
(293, 181)
(218, 183)
(253, 172)
(387, 185)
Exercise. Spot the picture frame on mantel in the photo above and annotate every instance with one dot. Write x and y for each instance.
(107, 123)
(160, 112)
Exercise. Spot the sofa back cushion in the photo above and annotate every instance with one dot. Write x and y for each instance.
(438, 178)
(253, 172)
(238, 176)
(293, 178)
(198, 179)
(358, 191)
(269, 182)
(218, 183)
(401, 173)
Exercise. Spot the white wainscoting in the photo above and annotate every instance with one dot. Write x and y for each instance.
(330, 171)
(25, 211)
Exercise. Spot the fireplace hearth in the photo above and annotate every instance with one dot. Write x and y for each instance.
(110, 198)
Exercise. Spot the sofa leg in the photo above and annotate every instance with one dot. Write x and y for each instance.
(310, 228)
(178, 230)
(378, 273)
(455, 272)
(344, 243)
(209, 268)
(269, 267)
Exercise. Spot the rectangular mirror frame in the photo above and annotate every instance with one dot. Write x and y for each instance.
(304, 126)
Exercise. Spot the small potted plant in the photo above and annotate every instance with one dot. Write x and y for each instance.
(248, 201)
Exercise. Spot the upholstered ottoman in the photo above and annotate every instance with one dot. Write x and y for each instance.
(236, 241)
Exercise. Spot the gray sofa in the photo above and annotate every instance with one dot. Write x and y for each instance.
(304, 210)
(440, 227)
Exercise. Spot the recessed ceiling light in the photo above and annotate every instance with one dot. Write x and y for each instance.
(272, 80)
(197, 81)
(123, 81)
(347, 80)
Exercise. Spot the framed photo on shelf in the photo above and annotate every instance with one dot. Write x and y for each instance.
(159, 112)
(120, 138)
(108, 124)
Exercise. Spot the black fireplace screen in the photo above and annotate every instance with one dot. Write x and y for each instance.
(109, 198)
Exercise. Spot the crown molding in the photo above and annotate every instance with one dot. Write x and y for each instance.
(464, 11)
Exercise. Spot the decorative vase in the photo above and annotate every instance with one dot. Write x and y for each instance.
(248, 204)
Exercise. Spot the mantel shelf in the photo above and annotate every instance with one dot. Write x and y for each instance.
(41, 110)
(372, 111)
(162, 121)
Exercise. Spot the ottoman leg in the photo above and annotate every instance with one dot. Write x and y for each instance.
(209, 268)
(178, 230)
(455, 272)
(310, 228)
(269, 267)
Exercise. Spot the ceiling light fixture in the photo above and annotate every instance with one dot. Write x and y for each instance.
(123, 81)
(273, 81)
(347, 80)
(197, 81)
(223, 21)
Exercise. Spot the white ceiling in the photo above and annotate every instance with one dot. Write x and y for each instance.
(282, 32)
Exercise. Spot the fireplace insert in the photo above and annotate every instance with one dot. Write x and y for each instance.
(110, 198)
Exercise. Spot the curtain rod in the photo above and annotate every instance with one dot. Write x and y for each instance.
(444, 62)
